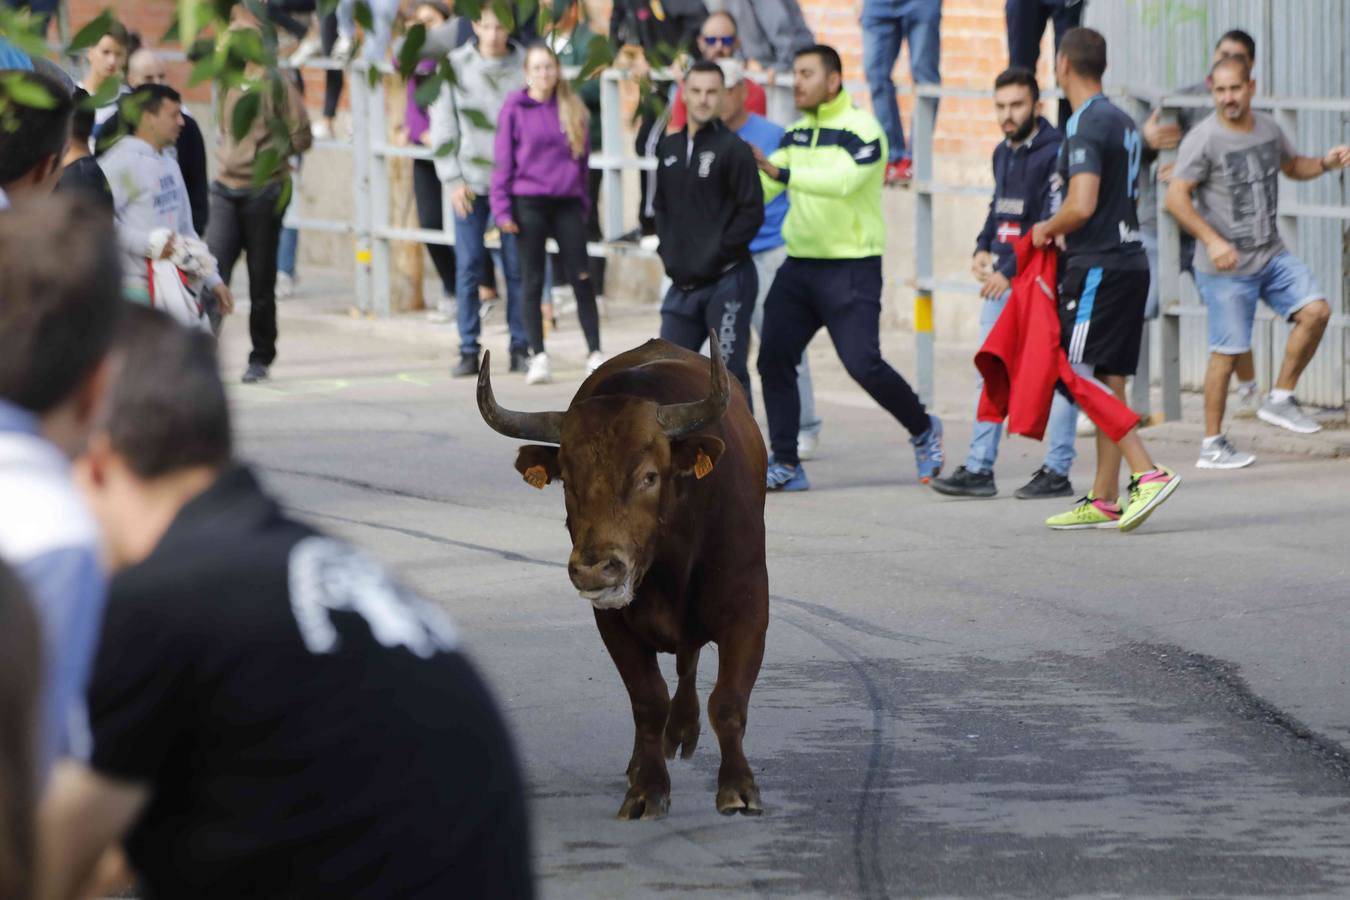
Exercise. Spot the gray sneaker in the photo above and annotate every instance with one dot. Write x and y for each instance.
(1221, 454)
(1287, 414)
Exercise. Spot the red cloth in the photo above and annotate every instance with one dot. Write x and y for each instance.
(1022, 359)
(755, 100)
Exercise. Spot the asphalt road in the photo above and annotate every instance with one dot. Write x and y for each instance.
(955, 702)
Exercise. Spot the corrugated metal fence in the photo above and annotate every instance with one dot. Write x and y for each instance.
(1303, 50)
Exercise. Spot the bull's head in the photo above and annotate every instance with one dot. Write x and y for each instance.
(620, 460)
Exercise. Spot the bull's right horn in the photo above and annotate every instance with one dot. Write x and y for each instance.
(545, 427)
(680, 419)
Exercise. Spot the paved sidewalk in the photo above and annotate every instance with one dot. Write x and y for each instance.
(324, 300)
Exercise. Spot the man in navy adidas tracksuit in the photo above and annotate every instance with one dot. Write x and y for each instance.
(1026, 190)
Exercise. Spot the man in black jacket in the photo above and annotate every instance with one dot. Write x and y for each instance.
(271, 712)
(709, 206)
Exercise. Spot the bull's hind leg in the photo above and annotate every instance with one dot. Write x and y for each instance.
(682, 727)
(739, 659)
(648, 794)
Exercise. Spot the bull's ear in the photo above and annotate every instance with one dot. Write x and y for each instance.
(696, 455)
(538, 465)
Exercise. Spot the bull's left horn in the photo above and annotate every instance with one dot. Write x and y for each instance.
(545, 427)
(680, 419)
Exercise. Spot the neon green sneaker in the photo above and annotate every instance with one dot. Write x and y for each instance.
(1147, 492)
(1089, 513)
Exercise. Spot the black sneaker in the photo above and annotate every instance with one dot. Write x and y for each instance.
(468, 366)
(965, 483)
(520, 360)
(1044, 484)
(254, 373)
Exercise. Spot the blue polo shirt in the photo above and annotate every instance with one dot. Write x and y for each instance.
(51, 541)
(760, 132)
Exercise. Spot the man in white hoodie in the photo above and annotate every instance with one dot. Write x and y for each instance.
(150, 200)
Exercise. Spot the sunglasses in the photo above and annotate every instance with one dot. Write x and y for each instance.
(714, 41)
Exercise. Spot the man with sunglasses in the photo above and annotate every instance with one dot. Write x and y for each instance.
(718, 39)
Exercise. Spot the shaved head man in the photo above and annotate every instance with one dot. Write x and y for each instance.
(145, 67)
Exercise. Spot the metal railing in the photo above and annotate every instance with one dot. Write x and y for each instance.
(373, 232)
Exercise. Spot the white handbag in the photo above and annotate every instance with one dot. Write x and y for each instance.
(170, 293)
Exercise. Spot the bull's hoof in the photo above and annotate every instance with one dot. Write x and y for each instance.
(741, 797)
(681, 737)
(645, 803)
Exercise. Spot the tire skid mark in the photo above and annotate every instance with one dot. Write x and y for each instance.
(867, 820)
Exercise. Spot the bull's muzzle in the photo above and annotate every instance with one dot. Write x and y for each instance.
(603, 578)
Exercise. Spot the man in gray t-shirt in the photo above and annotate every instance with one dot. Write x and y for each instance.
(1236, 178)
(1231, 162)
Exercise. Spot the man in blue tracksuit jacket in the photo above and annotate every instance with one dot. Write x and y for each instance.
(1026, 189)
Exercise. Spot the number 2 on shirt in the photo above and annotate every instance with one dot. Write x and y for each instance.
(1133, 149)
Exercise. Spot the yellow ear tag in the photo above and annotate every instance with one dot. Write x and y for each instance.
(703, 465)
(536, 477)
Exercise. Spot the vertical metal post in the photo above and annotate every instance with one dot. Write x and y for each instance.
(1169, 292)
(921, 144)
(376, 132)
(1288, 122)
(360, 99)
(781, 108)
(611, 147)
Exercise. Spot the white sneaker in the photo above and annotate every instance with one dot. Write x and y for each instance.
(1221, 454)
(285, 288)
(342, 50)
(594, 361)
(443, 312)
(1287, 414)
(1086, 426)
(807, 443)
(539, 371)
(320, 130)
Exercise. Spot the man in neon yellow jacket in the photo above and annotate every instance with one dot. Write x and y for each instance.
(831, 162)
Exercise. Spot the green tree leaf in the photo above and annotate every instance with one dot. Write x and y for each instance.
(245, 111)
(27, 93)
(599, 55)
(428, 90)
(266, 165)
(478, 120)
(92, 33)
(410, 53)
(363, 16)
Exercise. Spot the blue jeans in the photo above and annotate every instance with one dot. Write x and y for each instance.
(1285, 283)
(469, 256)
(886, 24)
(287, 249)
(382, 16)
(1060, 431)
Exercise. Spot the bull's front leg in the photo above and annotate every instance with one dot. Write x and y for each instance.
(739, 658)
(648, 794)
(683, 726)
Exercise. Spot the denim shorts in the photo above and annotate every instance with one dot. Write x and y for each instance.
(1230, 300)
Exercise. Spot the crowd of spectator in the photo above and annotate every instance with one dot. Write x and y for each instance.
(166, 746)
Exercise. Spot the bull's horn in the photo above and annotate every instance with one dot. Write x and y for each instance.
(680, 419)
(545, 427)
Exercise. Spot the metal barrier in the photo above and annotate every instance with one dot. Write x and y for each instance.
(373, 232)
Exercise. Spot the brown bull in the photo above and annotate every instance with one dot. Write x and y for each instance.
(663, 477)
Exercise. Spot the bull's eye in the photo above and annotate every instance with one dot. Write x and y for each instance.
(649, 480)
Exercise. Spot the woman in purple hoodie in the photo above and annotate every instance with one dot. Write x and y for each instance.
(540, 189)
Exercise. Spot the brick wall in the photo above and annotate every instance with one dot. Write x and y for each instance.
(974, 50)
